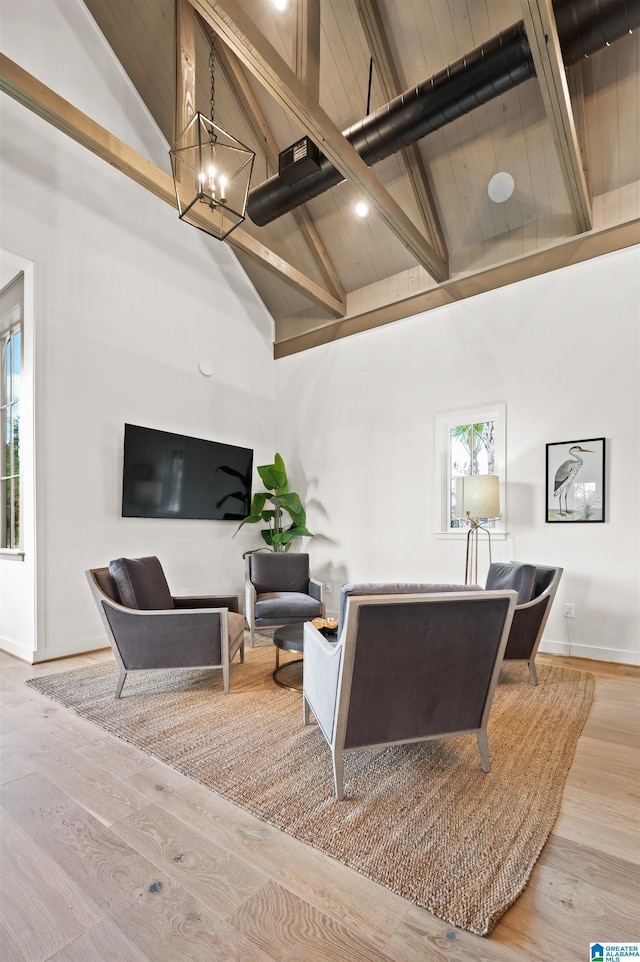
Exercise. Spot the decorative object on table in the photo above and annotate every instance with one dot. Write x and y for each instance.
(536, 586)
(477, 501)
(326, 626)
(151, 630)
(575, 477)
(279, 590)
(422, 820)
(211, 171)
(276, 536)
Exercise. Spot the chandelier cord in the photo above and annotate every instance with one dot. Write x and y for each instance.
(212, 72)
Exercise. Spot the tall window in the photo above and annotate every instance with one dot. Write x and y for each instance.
(11, 346)
(469, 442)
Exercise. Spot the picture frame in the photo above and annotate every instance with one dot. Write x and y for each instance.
(575, 481)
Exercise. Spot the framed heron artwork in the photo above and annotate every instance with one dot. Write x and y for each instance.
(575, 481)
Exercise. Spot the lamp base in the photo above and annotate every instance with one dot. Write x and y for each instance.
(471, 561)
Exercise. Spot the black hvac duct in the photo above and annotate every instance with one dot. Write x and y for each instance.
(500, 64)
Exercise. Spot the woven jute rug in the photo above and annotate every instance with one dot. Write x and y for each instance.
(423, 820)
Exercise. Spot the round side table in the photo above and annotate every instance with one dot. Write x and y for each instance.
(288, 638)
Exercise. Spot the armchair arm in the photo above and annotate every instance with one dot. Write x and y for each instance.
(316, 589)
(207, 601)
(322, 661)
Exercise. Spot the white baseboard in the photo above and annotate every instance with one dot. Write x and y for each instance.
(52, 654)
(572, 650)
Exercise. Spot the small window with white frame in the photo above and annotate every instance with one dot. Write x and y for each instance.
(470, 443)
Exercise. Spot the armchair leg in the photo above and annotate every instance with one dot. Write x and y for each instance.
(483, 745)
(533, 673)
(338, 773)
(225, 677)
(305, 711)
(120, 683)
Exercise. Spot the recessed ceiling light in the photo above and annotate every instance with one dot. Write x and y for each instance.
(501, 187)
(362, 209)
(281, 5)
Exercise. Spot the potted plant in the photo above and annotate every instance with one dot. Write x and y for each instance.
(275, 535)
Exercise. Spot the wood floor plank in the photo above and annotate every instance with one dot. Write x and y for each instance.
(569, 914)
(289, 928)
(13, 765)
(30, 877)
(9, 951)
(107, 798)
(323, 882)
(153, 911)
(421, 937)
(105, 942)
(116, 756)
(208, 871)
(620, 877)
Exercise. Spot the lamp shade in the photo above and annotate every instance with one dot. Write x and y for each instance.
(480, 496)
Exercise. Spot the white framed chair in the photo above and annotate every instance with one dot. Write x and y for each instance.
(149, 629)
(279, 590)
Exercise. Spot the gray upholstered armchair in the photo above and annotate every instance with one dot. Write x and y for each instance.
(280, 591)
(150, 629)
(536, 586)
(406, 668)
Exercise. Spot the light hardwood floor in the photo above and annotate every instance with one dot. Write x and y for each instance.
(109, 855)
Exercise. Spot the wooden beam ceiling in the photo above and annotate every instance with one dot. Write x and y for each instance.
(233, 24)
(542, 34)
(247, 100)
(410, 157)
(31, 93)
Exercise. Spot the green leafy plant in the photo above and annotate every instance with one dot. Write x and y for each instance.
(276, 536)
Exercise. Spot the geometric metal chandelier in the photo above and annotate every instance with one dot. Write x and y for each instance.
(211, 172)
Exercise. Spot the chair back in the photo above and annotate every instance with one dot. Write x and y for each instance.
(419, 666)
(279, 571)
(101, 578)
(366, 589)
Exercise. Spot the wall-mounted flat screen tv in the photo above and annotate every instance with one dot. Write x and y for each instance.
(172, 476)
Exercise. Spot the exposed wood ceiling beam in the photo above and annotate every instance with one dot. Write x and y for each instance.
(576, 90)
(541, 30)
(41, 100)
(306, 47)
(371, 21)
(574, 250)
(256, 118)
(185, 98)
(233, 24)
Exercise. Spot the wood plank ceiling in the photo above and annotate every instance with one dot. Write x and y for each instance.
(570, 139)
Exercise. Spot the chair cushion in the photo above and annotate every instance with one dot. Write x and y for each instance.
(141, 583)
(236, 627)
(287, 604)
(277, 571)
(518, 577)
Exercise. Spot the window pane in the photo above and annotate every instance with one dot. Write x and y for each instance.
(472, 451)
(16, 358)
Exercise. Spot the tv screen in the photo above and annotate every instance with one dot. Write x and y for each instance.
(172, 476)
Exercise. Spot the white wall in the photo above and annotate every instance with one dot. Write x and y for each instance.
(128, 301)
(562, 351)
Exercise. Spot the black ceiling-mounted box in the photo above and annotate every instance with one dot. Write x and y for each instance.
(299, 160)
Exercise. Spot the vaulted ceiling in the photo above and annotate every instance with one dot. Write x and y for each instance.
(569, 136)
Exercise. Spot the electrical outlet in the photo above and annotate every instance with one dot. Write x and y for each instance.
(328, 588)
(569, 611)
